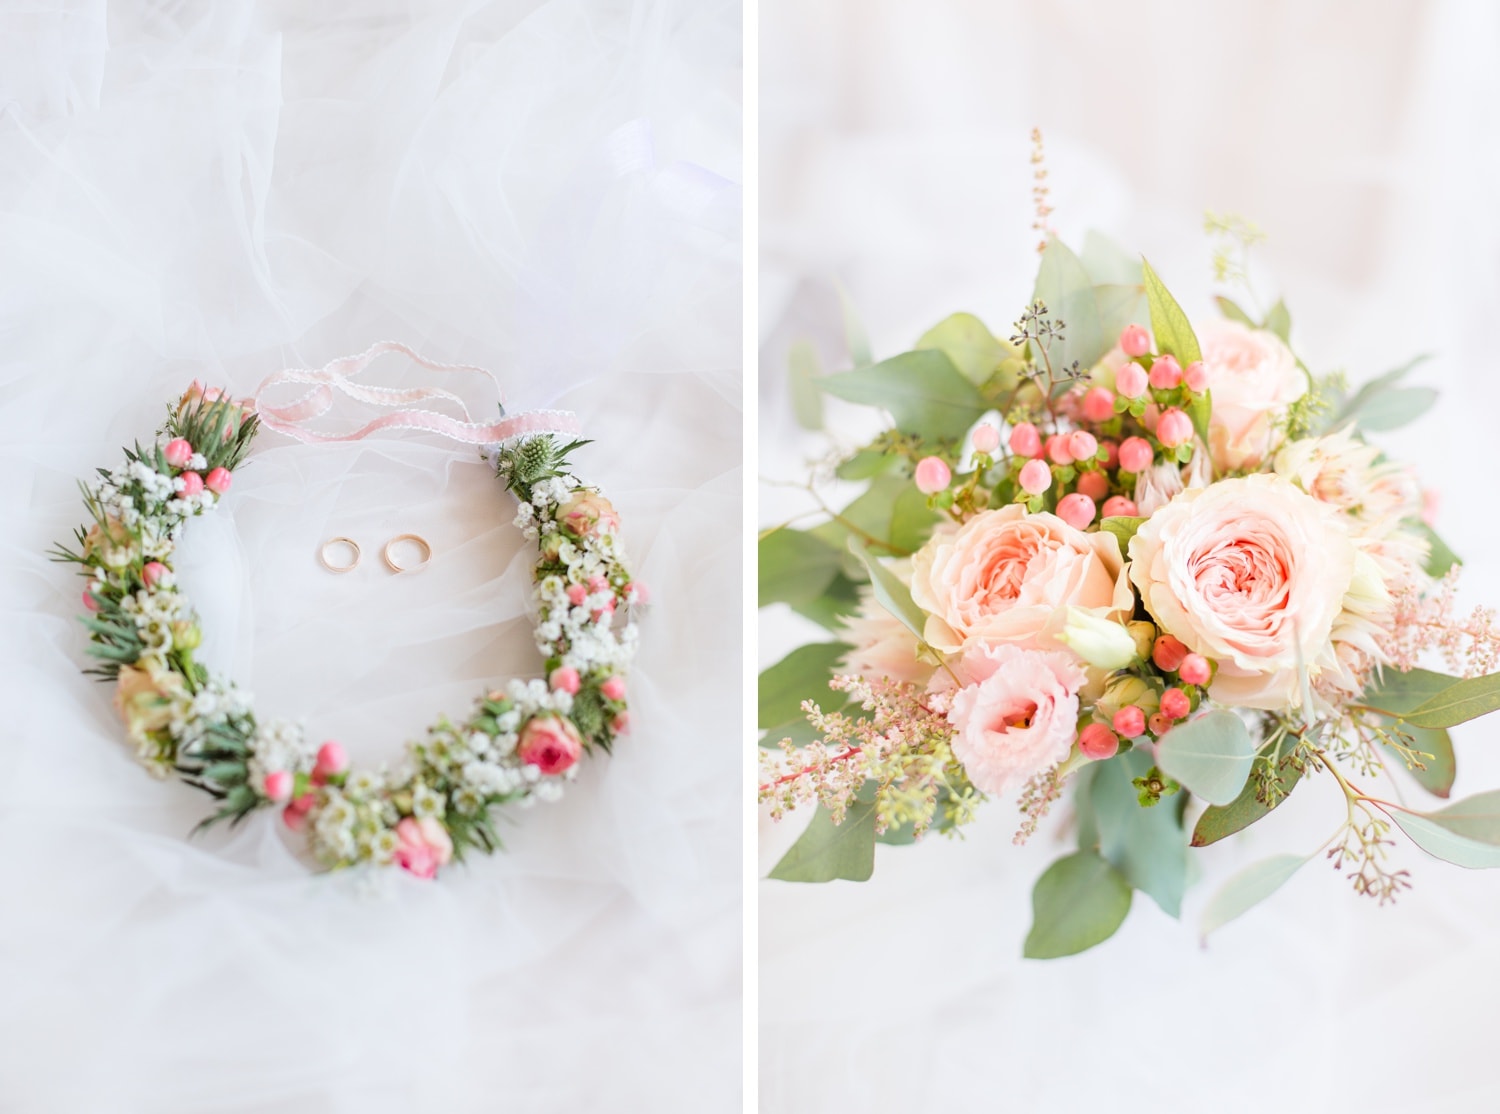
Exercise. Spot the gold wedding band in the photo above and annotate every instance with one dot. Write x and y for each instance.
(390, 563)
(323, 554)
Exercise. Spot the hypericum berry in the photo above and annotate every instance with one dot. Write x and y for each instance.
(1082, 445)
(278, 785)
(1130, 721)
(1159, 724)
(1136, 454)
(986, 438)
(1195, 376)
(932, 475)
(565, 679)
(178, 452)
(1166, 373)
(1117, 506)
(1035, 477)
(613, 688)
(1134, 341)
(331, 761)
(1174, 428)
(1168, 653)
(1131, 381)
(1175, 703)
(218, 481)
(1098, 742)
(1093, 484)
(1195, 670)
(1077, 510)
(192, 483)
(1025, 440)
(1099, 404)
(1058, 451)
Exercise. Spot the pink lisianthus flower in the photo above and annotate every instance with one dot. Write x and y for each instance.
(422, 846)
(1017, 716)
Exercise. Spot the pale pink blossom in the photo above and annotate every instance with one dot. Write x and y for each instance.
(422, 846)
(1253, 377)
(550, 743)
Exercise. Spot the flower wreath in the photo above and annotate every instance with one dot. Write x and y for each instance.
(519, 745)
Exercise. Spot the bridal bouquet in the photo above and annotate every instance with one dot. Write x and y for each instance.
(1147, 562)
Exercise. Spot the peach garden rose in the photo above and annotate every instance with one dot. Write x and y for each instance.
(1252, 377)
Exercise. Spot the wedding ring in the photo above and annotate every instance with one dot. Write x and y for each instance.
(390, 562)
(323, 554)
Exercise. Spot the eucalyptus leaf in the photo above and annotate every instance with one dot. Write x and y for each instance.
(801, 675)
(1247, 889)
(794, 567)
(1211, 755)
(912, 519)
(974, 350)
(1441, 842)
(1065, 288)
(892, 595)
(803, 369)
(1108, 264)
(1147, 845)
(1219, 821)
(1458, 703)
(1439, 767)
(1121, 305)
(1476, 818)
(1394, 408)
(1279, 321)
(1079, 901)
(1169, 324)
(1439, 557)
(1374, 387)
(864, 465)
(827, 851)
(924, 392)
(838, 601)
(1230, 309)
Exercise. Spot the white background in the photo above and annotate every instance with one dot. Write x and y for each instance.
(1362, 138)
(219, 191)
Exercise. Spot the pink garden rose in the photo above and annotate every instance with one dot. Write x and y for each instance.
(550, 743)
(587, 512)
(1009, 576)
(423, 846)
(1017, 715)
(1253, 378)
(1251, 573)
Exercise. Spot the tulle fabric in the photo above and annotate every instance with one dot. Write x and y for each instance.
(547, 189)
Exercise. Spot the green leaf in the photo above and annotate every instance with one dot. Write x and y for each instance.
(924, 392)
(794, 567)
(1439, 767)
(1068, 292)
(1147, 845)
(1438, 837)
(827, 850)
(1108, 264)
(1219, 821)
(1169, 325)
(803, 369)
(854, 332)
(1211, 755)
(1247, 889)
(1458, 703)
(801, 675)
(892, 595)
(1123, 528)
(1230, 309)
(1199, 410)
(1439, 557)
(974, 350)
(839, 600)
(1373, 388)
(1279, 321)
(1399, 693)
(1080, 901)
(864, 465)
(912, 519)
(1121, 305)
(1476, 817)
(1394, 408)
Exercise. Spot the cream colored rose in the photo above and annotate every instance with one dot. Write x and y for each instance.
(1252, 573)
(1253, 377)
(144, 696)
(1009, 576)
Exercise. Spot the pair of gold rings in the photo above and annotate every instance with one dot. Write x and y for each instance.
(386, 554)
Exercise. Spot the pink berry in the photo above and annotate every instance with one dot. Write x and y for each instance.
(89, 601)
(153, 572)
(564, 679)
(1111, 453)
(1131, 381)
(1136, 454)
(1077, 510)
(1035, 477)
(192, 483)
(577, 593)
(1174, 428)
(1159, 724)
(1134, 341)
(295, 814)
(1117, 506)
(1082, 445)
(278, 786)
(1058, 451)
(331, 761)
(1195, 375)
(932, 475)
(613, 688)
(1168, 653)
(1098, 742)
(1025, 440)
(218, 481)
(1166, 373)
(597, 583)
(1099, 404)
(620, 725)
(986, 438)
(178, 452)
(1175, 703)
(1130, 721)
(1093, 484)
(1195, 670)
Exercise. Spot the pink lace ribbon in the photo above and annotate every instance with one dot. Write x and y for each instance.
(337, 377)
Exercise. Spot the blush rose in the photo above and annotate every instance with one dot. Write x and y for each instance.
(1253, 377)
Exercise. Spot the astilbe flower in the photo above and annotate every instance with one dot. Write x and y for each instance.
(1425, 621)
(903, 744)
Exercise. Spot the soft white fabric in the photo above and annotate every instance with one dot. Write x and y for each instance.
(544, 187)
(894, 160)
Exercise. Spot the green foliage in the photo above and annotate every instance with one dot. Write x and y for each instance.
(533, 459)
(803, 370)
(794, 567)
(1123, 528)
(827, 851)
(1230, 309)
(865, 464)
(976, 352)
(1466, 833)
(1272, 782)
(1079, 901)
(1382, 405)
(1065, 288)
(1457, 703)
(923, 391)
(892, 595)
(1169, 324)
(1211, 755)
(1146, 845)
(1439, 557)
(1399, 693)
(1247, 889)
(1279, 321)
(801, 675)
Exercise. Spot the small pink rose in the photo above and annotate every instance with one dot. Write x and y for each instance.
(153, 572)
(586, 512)
(422, 846)
(550, 743)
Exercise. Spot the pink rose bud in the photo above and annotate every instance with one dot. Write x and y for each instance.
(1195, 670)
(1099, 404)
(1130, 721)
(1093, 484)
(178, 452)
(1025, 440)
(1035, 477)
(613, 688)
(422, 846)
(1058, 451)
(218, 481)
(89, 601)
(1136, 454)
(986, 438)
(620, 725)
(1098, 742)
(564, 679)
(1112, 453)
(1134, 341)
(192, 483)
(1160, 724)
(1118, 506)
(1195, 375)
(932, 475)
(294, 816)
(577, 593)
(1131, 381)
(1175, 703)
(331, 761)
(550, 743)
(278, 786)
(153, 572)
(1168, 653)
(1166, 373)
(1076, 510)
(1174, 428)
(1082, 445)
